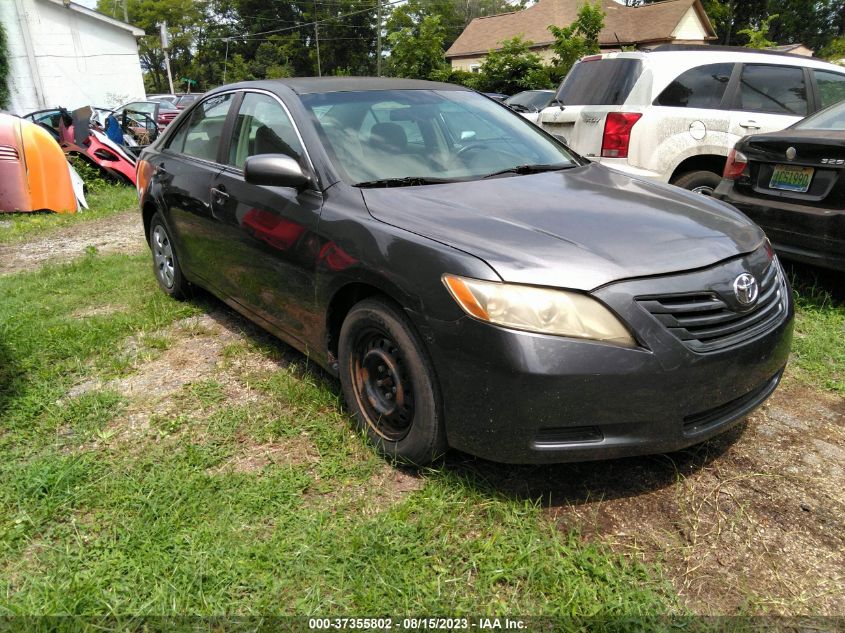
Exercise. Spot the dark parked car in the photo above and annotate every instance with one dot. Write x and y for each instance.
(183, 101)
(792, 183)
(530, 100)
(472, 282)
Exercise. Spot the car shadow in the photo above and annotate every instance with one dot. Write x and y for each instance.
(8, 377)
(556, 485)
(550, 485)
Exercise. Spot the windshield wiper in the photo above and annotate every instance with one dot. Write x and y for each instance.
(530, 169)
(407, 181)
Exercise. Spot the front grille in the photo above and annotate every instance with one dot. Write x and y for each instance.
(705, 323)
(7, 152)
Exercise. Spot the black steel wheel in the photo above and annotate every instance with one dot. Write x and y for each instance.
(702, 182)
(389, 383)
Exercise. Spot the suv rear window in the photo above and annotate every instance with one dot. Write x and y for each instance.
(701, 87)
(600, 82)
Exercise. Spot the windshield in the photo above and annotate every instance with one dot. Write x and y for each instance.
(427, 134)
(531, 99)
(833, 118)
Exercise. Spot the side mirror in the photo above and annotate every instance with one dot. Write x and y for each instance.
(274, 170)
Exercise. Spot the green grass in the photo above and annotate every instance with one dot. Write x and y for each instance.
(819, 343)
(159, 524)
(104, 200)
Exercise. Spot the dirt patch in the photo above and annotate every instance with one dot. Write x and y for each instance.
(123, 233)
(252, 458)
(752, 521)
(159, 381)
(101, 310)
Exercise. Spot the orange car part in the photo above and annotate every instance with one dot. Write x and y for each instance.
(33, 169)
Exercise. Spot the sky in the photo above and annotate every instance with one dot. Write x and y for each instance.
(91, 4)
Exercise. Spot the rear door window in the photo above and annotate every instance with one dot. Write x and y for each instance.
(600, 82)
(701, 87)
(775, 89)
(831, 87)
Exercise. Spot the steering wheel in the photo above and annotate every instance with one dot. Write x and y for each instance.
(469, 147)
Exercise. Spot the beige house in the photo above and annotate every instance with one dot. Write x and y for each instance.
(647, 26)
(793, 49)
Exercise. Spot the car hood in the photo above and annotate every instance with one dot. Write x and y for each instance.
(579, 228)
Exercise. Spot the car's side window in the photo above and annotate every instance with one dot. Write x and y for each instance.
(200, 136)
(701, 87)
(775, 89)
(831, 87)
(263, 127)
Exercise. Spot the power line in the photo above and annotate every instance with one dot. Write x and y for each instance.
(304, 24)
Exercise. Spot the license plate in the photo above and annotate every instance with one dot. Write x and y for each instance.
(791, 178)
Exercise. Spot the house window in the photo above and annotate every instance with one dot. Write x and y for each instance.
(475, 68)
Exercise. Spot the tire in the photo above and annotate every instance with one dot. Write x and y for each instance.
(703, 182)
(166, 266)
(389, 383)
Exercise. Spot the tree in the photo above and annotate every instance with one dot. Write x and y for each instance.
(512, 68)
(758, 38)
(184, 20)
(4, 69)
(579, 38)
(417, 52)
(454, 15)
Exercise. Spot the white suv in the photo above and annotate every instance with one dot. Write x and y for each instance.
(672, 114)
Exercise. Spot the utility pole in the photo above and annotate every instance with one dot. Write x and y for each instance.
(165, 44)
(378, 37)
(317, 38)
(226, 60)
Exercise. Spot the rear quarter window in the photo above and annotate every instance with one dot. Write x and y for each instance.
(701, 87)
(600, 82)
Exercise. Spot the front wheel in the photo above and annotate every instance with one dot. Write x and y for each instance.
(703, 182)
(389, 384)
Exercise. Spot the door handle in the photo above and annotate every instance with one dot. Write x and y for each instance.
(219, 195)
(750, 125)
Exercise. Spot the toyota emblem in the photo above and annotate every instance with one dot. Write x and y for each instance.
(746, 289)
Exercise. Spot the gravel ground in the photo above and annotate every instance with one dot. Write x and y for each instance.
(118, 233)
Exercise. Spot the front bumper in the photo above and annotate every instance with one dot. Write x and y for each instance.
(800, 232)
(528, 398)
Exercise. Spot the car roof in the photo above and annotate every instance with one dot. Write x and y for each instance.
(315, 85)
(695, 55)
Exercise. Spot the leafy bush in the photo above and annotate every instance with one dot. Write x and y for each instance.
(4, 69)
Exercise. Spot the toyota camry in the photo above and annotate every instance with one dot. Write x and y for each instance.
(471, 281)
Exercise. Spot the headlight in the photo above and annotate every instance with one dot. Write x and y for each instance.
(538, 310)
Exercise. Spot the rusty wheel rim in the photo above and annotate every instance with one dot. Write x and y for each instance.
(381, 384)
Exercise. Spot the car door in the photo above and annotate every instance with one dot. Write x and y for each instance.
(768, 98)
(267, 259)
(185, 169)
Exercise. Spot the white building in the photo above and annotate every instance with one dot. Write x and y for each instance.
(64, 54)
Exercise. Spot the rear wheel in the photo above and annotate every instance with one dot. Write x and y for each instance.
(389, 384)
(703, 182)
(165, 263)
